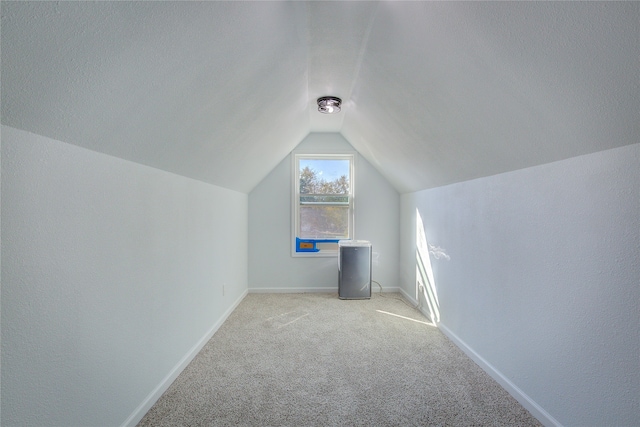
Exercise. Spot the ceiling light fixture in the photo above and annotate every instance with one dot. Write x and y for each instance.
(329, 104)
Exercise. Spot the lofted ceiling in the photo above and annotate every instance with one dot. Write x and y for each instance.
(434, 92)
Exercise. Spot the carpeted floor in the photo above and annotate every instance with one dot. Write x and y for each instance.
(316, 360)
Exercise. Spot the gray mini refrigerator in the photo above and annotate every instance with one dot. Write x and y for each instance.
(354, 269)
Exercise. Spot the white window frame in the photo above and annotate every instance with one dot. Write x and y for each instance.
(325, 249)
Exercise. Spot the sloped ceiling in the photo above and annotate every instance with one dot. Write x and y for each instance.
(434, 92)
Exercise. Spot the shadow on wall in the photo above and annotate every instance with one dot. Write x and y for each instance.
(425, 282)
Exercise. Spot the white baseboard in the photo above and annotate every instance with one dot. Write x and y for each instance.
(292, 290)
(529, 404)
(374, 290)
(408, 297)
(386, 289)
(153, 397)
(415, 303)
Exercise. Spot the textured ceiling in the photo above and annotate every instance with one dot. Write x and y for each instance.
(434, 92)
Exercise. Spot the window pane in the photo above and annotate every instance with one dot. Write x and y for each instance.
(324, 222)
(324, 176)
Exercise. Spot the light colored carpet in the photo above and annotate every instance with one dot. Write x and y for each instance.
(316, 360)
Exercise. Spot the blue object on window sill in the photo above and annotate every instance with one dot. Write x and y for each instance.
(309, 245)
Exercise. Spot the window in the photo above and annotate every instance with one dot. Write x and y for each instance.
(322, 203)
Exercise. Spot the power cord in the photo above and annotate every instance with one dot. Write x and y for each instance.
(396, 298)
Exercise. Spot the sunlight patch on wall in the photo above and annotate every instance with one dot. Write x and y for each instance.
(425, 282)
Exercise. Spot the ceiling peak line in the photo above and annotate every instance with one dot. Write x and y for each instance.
(363, 48)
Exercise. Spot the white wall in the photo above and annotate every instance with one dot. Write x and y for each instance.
(112, 277)
(543, 284)
(377, 213)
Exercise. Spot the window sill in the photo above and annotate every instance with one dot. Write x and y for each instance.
(321, 254)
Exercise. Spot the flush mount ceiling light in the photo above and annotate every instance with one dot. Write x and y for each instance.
(329, 104)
